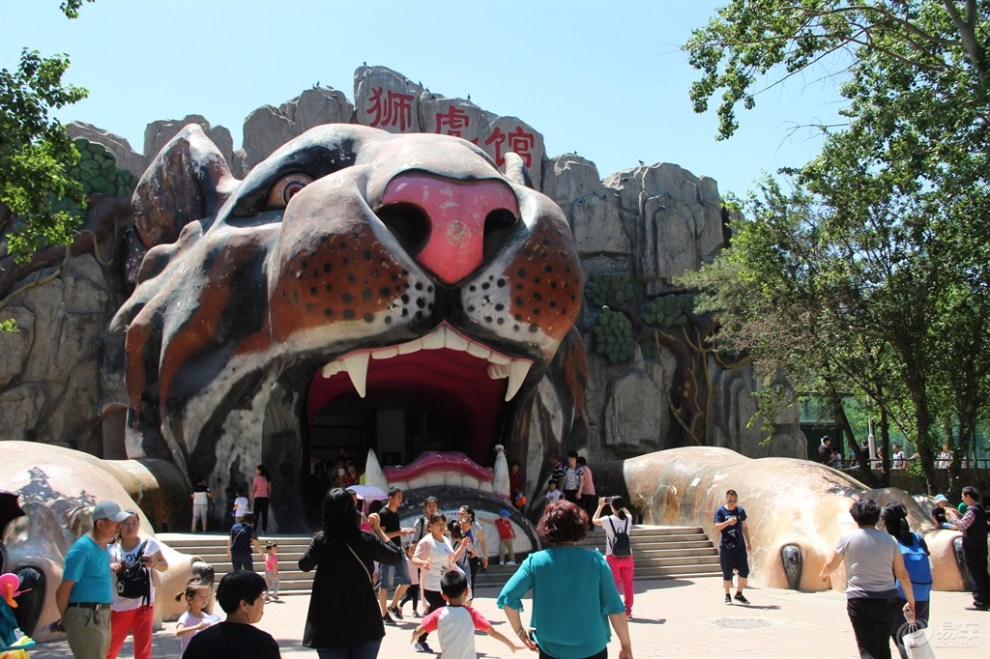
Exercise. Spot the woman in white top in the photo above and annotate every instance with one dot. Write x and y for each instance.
(133, 614)
(435, 555)
(620, 521)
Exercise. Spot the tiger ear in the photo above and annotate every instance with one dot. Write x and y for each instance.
(188, 180)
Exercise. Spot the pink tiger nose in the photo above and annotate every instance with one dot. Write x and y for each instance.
(455, 220)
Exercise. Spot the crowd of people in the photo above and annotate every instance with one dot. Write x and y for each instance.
(830, 455)
(359, 559)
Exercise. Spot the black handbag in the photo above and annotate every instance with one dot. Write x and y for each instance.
(135, 581)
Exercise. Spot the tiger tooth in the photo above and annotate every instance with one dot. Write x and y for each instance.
(435, 339)
(498, 371)
(357, 368)
(332, 369)
(411, 347)
(385, 353)
(518, 370)
(454, 341)
(478, 351)
(496, 358)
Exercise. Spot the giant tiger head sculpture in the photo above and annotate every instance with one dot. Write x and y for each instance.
(352, 263)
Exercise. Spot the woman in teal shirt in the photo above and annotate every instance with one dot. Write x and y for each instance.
(573, 592)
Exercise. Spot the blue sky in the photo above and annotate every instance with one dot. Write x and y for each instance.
(604, 79)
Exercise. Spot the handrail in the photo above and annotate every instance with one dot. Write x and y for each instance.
(876, 464)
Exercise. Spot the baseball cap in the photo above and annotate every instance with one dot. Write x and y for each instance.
(504, 513)
(939, 498)
(109, 510)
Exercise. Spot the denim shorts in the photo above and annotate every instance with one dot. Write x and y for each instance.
(394, 575)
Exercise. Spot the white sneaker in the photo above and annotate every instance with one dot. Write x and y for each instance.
(510, 562)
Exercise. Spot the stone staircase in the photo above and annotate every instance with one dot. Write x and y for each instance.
(661, 552)
(212, 548)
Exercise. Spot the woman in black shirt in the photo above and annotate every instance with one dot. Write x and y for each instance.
(344, 618)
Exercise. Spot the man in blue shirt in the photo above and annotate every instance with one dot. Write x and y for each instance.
(84, 595)
(732, 547)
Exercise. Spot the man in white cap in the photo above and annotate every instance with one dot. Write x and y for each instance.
(83, 597)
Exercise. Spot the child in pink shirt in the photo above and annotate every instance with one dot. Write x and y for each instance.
(271, 571)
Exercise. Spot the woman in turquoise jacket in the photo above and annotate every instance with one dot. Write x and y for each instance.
(915, 553)
(574, 594)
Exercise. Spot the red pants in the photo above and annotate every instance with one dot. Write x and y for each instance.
(139, 622)
(622, 572)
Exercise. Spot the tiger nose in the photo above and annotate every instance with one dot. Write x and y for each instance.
(448, 225)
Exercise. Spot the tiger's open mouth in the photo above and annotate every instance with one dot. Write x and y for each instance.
(443, 372)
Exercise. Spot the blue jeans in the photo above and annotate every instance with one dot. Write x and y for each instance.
(366, 650)
(396, 575)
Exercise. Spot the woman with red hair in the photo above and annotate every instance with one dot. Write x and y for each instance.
(574, 594)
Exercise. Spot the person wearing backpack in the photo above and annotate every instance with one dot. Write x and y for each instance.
(133, 607)
(732, 548)
(618, 548)
(915, 553)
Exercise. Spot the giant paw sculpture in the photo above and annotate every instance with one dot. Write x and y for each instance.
(796, 509)
(58, 488)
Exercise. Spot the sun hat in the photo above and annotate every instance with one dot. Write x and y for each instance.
(504, 513)
(939, 498)
(109, 510)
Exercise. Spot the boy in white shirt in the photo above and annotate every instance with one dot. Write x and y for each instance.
(455, 623)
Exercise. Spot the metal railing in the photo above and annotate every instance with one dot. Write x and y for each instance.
(876, 464)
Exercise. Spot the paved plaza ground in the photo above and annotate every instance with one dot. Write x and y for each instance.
(672, 618)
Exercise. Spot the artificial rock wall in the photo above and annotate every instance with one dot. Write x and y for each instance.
(641, 227)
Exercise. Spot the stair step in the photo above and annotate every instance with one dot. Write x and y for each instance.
(674, 552)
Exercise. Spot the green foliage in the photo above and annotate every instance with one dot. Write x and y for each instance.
(97, 171)
(871, 274)
(71, 7)
(9, 326)
(34, 153)
(617, 290)
(750, 41)
(612, 334)
(668, 310)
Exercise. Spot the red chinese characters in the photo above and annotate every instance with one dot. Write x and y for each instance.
(455, 121)
(518, 141)
(452, 121)
(390, 108)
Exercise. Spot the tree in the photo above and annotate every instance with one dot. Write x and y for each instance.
(34, 153)
(939, 41)
(900, 194)
(41, 204)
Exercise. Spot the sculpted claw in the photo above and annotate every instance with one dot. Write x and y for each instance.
(957, 551)
(790, 558)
